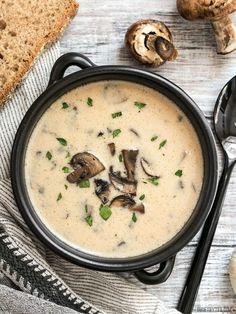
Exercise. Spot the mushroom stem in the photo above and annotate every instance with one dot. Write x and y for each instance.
(225, 34)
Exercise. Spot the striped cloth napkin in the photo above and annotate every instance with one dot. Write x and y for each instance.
(48, 283)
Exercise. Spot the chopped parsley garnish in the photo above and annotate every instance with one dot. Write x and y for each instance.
(116, 114)
(89, 102)
(116, 132)
(65, 105)
(142, 197)
(140, 105)
(154, 138)
(105, 212)
(89, 220)
(62, 141)
(66, 169)
(59, 197)
(66, 186)
(179, 173)
(154, 180)
(49, 155)
(120, 158)
(134, 217)
(68, 155)
(84, 184)
(162, 144)
(86, 208)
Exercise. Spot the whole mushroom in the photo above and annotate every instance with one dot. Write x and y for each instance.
(217, 12)
(150, 42)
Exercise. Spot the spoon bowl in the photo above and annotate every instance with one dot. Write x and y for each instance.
(225, 118)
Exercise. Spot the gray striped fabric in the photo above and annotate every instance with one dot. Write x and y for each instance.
(25, 260)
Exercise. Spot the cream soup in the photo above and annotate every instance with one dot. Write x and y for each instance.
(114, 168)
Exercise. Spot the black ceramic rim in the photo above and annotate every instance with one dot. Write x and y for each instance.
(142, 77)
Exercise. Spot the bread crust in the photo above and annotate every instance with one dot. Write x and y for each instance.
(49, 38)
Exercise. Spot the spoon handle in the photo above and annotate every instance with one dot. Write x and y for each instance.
(189, 293)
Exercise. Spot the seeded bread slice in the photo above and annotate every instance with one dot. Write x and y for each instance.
(26, 26)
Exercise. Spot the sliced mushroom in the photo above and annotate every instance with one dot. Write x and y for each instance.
(134, 132)
(129, 157)
(138, 208)
(112, 148)
(102, 190)
(128, 202)
(85, 166)
(121, 243)
(181, 184)
(113, 94)
(122, 184)
(122, 201)
(150, 42)
(146, 168)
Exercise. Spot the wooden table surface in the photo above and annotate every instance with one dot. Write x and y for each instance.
(98, 32)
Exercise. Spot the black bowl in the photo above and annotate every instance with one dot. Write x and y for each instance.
(91, 73)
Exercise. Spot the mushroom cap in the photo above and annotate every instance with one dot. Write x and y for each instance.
(112, 148)
(146, 168)
(129, 157)
(122, 184)
(102, 190)
(211, 10)
(85, 166)
(150, 42)
(122, 201)
(127, 201)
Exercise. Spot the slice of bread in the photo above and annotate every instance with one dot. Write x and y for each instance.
(26, 26)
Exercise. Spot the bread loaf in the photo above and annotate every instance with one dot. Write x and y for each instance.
(26, 26)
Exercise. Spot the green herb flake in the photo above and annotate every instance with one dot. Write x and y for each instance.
(116, 114)
(86, 208)
(62, 141)
(66, 169)
(142, 197)
(105, 212)
(179, 173)
(154, 180)
(154, 138)
(68, 155)
(65, 105)
(162, 144)
(140, 105)
(120, 157)
(134, 217)
(89, 102)
(84, 184)
(89, 220)
(116, 132)
(66, 186)
(59, 197)
(49, 155)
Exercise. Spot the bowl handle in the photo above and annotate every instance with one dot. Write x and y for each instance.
(159, 276)
(65, 61)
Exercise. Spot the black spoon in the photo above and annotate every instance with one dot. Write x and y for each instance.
(225, 127)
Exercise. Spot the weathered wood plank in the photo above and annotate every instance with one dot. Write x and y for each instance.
(215, 293)
(98, 32)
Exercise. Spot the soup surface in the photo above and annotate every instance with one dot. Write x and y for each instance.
(114, 139)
